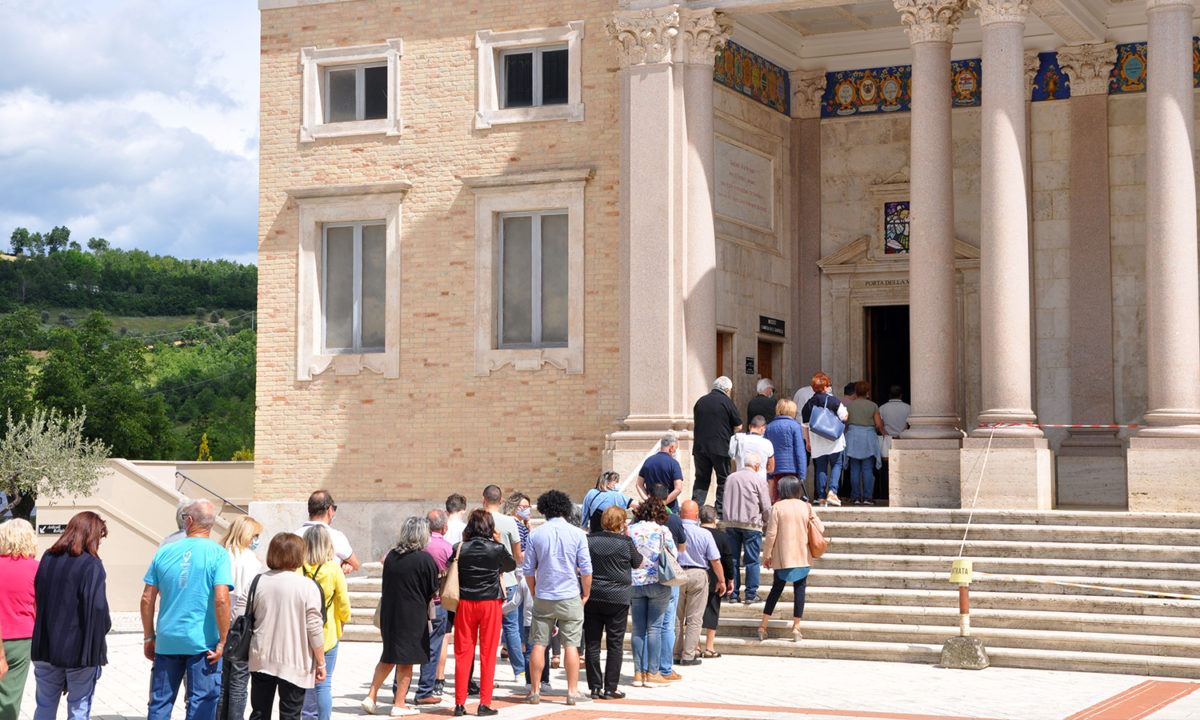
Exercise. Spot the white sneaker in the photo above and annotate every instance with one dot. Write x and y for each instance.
(834, 500)
(368, 706)
(402, 710)
(545, 688)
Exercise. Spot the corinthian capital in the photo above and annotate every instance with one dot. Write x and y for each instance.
(1033, 63)
(930, 20)
(1001, 11)
(1088, 67)
(704, 31)
(645, 36)
(807, 88)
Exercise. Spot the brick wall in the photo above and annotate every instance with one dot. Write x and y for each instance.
(437, 426)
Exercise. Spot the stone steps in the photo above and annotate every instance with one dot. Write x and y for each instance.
(882, 592)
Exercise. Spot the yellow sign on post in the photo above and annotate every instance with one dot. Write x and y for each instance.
(960, 571)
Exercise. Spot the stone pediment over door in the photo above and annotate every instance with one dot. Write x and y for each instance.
(854, 278)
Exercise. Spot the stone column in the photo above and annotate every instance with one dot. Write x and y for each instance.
(668, 250)
(1172, 301)
(1171, 438)
(1019, 472)
(1091, 462)
(1004, 223)
(924, 465)
(807, 88)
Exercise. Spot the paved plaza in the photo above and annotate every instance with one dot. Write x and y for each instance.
(740, 688)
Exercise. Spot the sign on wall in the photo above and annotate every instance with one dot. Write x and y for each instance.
(744, 191)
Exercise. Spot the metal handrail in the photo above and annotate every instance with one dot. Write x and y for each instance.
(212, 492)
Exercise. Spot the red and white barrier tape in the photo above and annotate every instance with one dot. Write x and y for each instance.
(1049, 425)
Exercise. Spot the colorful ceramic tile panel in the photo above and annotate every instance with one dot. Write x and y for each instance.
(754, 76)
(965, 82)
(1129, 73)
(1050, 83)
(895, 227)
(874, 90)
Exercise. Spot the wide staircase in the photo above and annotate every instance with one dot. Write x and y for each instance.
(882, 591)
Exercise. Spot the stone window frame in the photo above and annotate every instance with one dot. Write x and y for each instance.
(314, 61)
(323, 204)
(490, 44)
(498, 195)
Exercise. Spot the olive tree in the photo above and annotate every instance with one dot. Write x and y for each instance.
(44, 453)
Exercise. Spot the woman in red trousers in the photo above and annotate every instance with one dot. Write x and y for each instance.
(481, 559)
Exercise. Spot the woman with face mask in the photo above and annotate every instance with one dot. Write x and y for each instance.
(241, 541)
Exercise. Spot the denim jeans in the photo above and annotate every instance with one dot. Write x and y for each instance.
(510, 635)
(829, 474)
(666, 635)
(80, 684)
(203, 686)
(745, 546)
(318, 702)
(649, 604)
(862, 478)
(235, 691)
(429, 670)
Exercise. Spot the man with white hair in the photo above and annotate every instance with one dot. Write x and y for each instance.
(194, 579)
(764, 402)
(662, 468)
(180, 522)
(747, 509)
(716, 420)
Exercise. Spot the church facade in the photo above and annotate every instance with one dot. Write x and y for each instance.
(514, 242)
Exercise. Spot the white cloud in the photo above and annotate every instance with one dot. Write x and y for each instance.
(136, 121)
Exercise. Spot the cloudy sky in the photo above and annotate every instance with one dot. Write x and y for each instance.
(131, 120)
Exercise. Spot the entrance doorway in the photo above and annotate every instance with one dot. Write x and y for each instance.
(767, 361)
(887, 360)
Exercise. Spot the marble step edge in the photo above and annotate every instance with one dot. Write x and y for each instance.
(1009, 548)
(928, 654)
(960, 516)
(1132, 535)
(1045, 626)
(1032, 566)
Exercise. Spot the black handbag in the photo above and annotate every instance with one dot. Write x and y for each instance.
(237, 640)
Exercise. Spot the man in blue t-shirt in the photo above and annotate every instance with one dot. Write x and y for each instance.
(192, 575)
(662, 468)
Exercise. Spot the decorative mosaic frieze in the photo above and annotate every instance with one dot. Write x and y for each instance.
(752, 75)
(1050, 82)
(1129, 73)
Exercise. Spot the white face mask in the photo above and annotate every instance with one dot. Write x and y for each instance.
(523, 513)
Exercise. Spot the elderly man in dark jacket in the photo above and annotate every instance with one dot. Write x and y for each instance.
(716, 420)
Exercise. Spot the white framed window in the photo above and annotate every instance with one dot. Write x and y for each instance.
(351, 91)
(533, 279)
(354, 287)
(355, 92)
(529, 242)
(530, 75)
(348, 279)
(533, 77)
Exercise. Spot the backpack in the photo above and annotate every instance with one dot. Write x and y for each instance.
(324, 604)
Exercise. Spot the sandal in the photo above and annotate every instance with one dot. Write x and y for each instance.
(762, 632)
(709, 654)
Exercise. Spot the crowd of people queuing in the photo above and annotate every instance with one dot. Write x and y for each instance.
(555, 594)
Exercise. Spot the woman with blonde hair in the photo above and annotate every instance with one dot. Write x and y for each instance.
(791, 457)
(240, 541)
(18, 548)
(321, 564)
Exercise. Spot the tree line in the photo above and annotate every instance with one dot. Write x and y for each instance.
(52, 269)
(145, 402)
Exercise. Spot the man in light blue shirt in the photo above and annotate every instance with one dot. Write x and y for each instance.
(193, 577)
(700, 553)
(558, 570)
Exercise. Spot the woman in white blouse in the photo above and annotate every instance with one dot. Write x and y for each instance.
(241, 542)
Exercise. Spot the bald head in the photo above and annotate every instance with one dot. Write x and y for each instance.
(199, 516)
(689, 510)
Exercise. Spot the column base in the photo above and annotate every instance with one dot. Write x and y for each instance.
(1171, 423)
(1023, 420)
(1163, 474)
(624, 451)
(1019, 474)
(924, 473)
(932, 427)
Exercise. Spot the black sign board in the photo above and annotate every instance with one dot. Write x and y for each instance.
(770, 325)
(58, 529)
(749, 366)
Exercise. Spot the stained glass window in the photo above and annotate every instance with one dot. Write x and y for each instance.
(895, 227)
